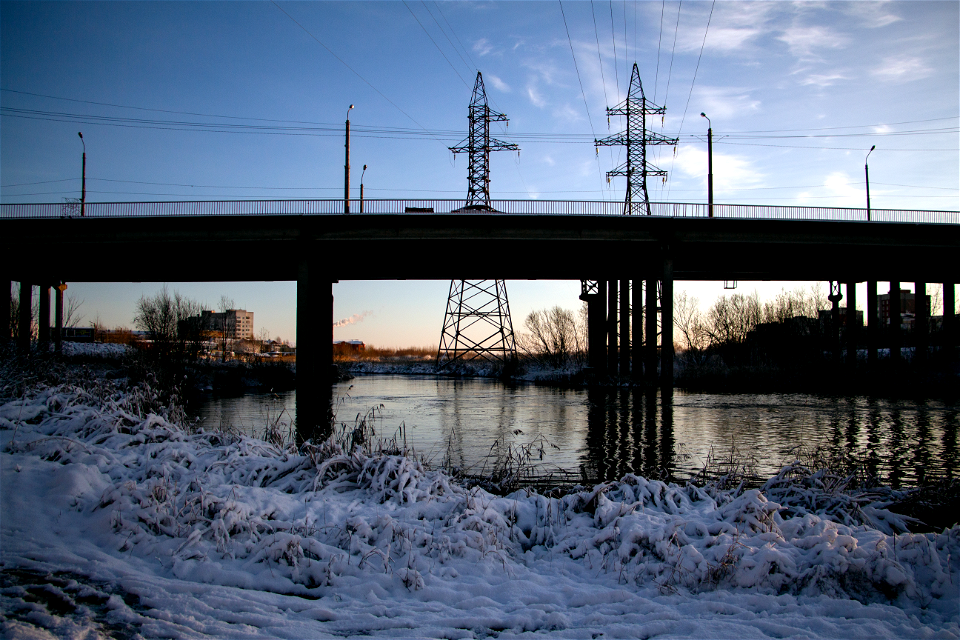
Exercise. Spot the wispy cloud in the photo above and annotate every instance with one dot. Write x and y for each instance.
(733, 26)
(839, 190)
(823, 79)
(900, 68)
(725, 102)
(536, 98)
(872, 15)
(806, 42)
(482, 47)
(498, 83)
(730, 172)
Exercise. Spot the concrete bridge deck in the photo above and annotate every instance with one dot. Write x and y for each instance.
(246, 242)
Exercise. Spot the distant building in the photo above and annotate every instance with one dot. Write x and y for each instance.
(908, 308)
(236, 323)
(348, 346)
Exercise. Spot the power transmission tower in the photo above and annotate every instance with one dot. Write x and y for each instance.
(636, 108)
(477, 324)
(477, 321)
(479, 145)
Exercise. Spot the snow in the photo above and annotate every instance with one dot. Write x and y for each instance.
(95, 349)
(115, 520)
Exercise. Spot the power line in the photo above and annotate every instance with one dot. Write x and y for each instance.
(656, 78)
(616, 63)
(439, 26)
(355, 72)
(473, 65)
(435, 43)
(582, 92)
(596, 34)
(221, 186)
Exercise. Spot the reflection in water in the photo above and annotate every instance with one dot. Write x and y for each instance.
(606, 433)
(628, 431)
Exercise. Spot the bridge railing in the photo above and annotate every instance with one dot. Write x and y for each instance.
(454, 207)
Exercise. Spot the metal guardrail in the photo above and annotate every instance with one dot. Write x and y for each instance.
(453, 207)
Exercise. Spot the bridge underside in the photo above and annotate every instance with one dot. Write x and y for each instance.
(384, 247)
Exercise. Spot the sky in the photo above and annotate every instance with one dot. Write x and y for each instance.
(247, 100)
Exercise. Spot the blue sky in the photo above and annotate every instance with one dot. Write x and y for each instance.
(230, 100)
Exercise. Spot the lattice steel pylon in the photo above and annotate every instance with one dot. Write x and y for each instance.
(479, 145)
(477, 321)
(636, 108)
(477, 324)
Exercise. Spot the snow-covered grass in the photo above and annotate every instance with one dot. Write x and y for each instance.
(142, 524)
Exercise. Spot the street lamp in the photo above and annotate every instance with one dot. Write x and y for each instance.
(709, 164)
(361, 187)
(346, 169)
(83, 180)
(866, 172)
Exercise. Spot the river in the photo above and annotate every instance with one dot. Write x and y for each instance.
(605, 433)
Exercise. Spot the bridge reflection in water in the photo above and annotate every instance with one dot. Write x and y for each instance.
(629, 431)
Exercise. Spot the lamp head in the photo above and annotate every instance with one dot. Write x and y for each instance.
(80, 134)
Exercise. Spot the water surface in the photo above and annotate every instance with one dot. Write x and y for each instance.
(607, 433)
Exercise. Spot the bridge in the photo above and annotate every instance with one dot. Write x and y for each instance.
(315, 243)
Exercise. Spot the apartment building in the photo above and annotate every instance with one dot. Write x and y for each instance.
(237, 323)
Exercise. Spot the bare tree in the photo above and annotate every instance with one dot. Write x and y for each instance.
(168, 320)
(225, 324)
(689, 321)
(731, 319)
(553, 336)
(71, 312)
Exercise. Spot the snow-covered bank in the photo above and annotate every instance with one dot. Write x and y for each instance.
(179, 534)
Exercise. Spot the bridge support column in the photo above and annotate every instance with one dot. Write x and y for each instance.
(596, 327)
(636, 344)
(895, 334)
(873, 323)
(612, 338)
(650, 339)
(624, 329)
(949, 315)
(58, 317)
(314, 349)
(834, 298)
(43, 321)
(25, 321)
(6, 300)
(921, 321)
(853, 328)
(666, 329)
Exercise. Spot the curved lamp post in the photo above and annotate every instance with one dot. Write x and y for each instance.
(709, 164)
(866, 172)
(361, 187)
(83, 180)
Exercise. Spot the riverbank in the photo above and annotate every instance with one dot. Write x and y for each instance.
(171, 533)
